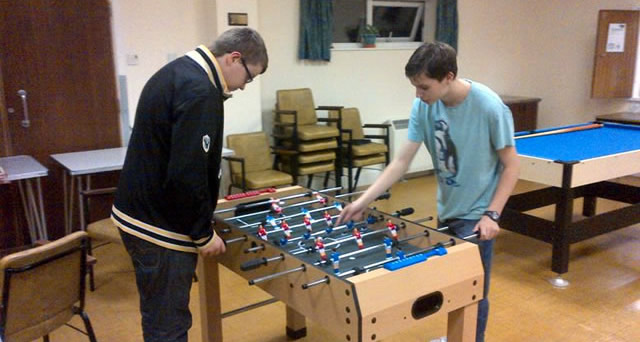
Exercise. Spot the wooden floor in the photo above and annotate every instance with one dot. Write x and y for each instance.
(601, 304)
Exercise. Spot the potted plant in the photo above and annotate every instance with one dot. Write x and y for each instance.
(369, 34)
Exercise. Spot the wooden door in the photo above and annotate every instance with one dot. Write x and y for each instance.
(614, 70)
(58, 56)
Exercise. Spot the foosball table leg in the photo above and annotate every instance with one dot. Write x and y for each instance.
(296, 324)
(461, 325)
(210, 308)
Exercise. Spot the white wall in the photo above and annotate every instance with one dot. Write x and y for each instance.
(541, 48)
(158, 31)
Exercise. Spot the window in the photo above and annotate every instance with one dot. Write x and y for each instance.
(398, 22)
(395, 20)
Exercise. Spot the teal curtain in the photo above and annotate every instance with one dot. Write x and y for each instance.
(447, 22)
(316, 29)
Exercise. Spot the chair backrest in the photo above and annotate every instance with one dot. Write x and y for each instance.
(300, 100)
(254, 148)
(41, 286)
(350, 120)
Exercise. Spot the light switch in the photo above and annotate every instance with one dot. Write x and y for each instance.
(132, 59)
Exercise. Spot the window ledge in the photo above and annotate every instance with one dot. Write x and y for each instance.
(379, 46)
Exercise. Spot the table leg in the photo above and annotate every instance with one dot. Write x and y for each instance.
(563, 216)
(296, 324)
(33, 212)
(80, 204)
(45, 232)
(461, 324)
(210, 305)
(65, 200)
(69, 225)
(25, 207)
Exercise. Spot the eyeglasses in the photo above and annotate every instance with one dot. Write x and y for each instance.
(249, 77)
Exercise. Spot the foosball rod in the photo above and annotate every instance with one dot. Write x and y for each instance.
(269, 201)
(302, 268)
(467, 238)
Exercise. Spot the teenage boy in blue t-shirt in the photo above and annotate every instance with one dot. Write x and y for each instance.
(469, 132)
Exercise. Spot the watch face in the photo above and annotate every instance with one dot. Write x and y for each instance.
(493, 215)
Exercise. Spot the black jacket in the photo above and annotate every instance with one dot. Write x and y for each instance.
(169, 184)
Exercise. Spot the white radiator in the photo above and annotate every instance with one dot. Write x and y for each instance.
(398, 138)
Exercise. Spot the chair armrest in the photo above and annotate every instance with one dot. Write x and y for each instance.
(235, 159)
(283, 151)
(84, 197)
(240, 160)
(328, 119)
(376, 125)
(375, 136)
(329, 107)
(98, 192)
(283, 124)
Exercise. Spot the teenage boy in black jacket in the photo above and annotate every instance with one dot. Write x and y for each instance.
(169, 183)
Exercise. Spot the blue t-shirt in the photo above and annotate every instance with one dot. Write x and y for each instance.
(464, 141)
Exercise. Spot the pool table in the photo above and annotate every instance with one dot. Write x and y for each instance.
(575, 161)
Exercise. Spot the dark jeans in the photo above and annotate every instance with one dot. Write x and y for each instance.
(463, 228)
(164, 279)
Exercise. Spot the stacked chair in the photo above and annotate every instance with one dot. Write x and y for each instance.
(251, 165)
(359, 149)
(297, 128)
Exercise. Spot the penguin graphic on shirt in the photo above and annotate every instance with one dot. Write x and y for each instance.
(446, 155)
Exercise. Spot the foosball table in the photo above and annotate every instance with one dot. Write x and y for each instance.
(288, 244)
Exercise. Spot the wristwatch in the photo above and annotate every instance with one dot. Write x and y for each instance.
(492, 215)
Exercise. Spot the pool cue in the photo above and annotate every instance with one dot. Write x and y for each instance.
(563, 130)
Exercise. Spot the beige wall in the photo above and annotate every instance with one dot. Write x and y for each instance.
(538, 48)
(541, 48)
(160, 30)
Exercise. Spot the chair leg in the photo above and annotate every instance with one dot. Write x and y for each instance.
(87, 324)
(92, 283)
(326, 179)
(229, 189)
(309, 181)
(355, 184)
(350, 176)
(45, 338)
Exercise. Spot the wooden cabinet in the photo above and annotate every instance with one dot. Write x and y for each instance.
(524, 110)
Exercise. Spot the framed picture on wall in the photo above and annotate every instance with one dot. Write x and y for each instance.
(238, 19)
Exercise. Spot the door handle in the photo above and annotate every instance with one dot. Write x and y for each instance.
(23, 95)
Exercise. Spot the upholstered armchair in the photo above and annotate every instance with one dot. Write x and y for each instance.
(359, 149)
(251, 166)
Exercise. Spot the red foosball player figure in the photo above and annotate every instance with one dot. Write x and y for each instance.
(307, 223)
(285, 228)
(262, 233)
(321, 199)
(328, 218)
(275, 207)
(393, 229)
(320, 248)
(358, 236)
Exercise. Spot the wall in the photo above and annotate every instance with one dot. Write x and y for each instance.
(539, 48)
(158, 31)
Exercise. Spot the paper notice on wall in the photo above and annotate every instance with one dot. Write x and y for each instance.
(615, 38)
